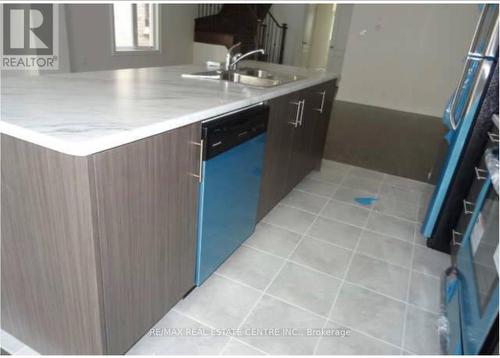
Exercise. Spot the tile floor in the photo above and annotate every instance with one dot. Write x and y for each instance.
(320, 260)
(359, 274)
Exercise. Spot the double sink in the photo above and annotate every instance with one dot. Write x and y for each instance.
(247, 76)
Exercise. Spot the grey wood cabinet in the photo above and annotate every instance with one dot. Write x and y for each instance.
(322, 101)
(283, 113)
(96, 249)
(295, 141)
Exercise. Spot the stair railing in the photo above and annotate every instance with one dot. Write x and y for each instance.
(270, 35)
(208, 9)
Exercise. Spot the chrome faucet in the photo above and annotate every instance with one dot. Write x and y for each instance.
(231, 63)
(233, 66)
(229, 56)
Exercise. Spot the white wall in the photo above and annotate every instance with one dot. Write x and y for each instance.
(90, 38)
(203, 52)
(406, 57)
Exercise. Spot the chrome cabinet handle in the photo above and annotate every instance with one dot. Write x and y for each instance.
(297, 114)
(466, 210)
(302, 111)
(479, 172)
(200, 169)
(493, 137)
(453, 234)
(323, 94)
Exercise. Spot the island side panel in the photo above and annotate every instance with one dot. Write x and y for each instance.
(50, 294)
(146, 202)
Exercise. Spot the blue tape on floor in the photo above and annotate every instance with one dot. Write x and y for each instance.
(365, 200)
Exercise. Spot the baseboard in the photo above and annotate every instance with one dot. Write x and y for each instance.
(391, 141)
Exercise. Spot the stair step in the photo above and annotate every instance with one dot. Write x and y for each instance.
(215, 38)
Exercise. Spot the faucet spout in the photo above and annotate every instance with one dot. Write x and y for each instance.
(234, 64)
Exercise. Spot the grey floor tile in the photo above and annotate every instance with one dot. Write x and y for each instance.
(367, 174)
(429, 261)
(424, 200)
(251, 267)
(306, 288)
(421, 332)
(405, 183)
(336, 232)
(391, 226)
(349, 214)
(331, 164)
(369, 312)
(355, 343)
(321, 256)
(348, 195)
(272, 239)
(421, 212)
(219, 302)
(181, 343)
(290, 218)
(237, 348)
(383, 247)
(305, 201)
(361, 183)
(379, 276)
(419, 238)
(398, 208)
(317, 187)
(425, 291)
(328, 175)
(274, 314)
(394, 193)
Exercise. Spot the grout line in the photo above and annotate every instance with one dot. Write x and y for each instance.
(345, 274)
(192, 318)
(310, 237)
(301, 209)
(366, 334)
(265, 293)
(303, 236)
(279, 227)
(319, 196)
(405, 321)
(187, 315)
(275, 276)
(284, 228)
(331, 276)
(244, 343)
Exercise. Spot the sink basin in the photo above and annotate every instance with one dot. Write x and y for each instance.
(261, 78)
(248, 76)
(255, 72)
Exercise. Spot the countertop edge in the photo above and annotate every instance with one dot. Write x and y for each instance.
(93, 146)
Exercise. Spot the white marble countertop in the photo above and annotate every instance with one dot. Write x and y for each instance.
(88, 112)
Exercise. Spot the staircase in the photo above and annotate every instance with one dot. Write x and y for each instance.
(251, 24)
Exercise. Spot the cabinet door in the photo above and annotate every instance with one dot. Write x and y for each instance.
(146, 202)
(322, 99)
(280, 131)
(301, 162)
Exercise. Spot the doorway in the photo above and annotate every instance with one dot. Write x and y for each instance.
(319, 19)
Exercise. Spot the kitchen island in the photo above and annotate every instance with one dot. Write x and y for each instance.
(99, 193)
